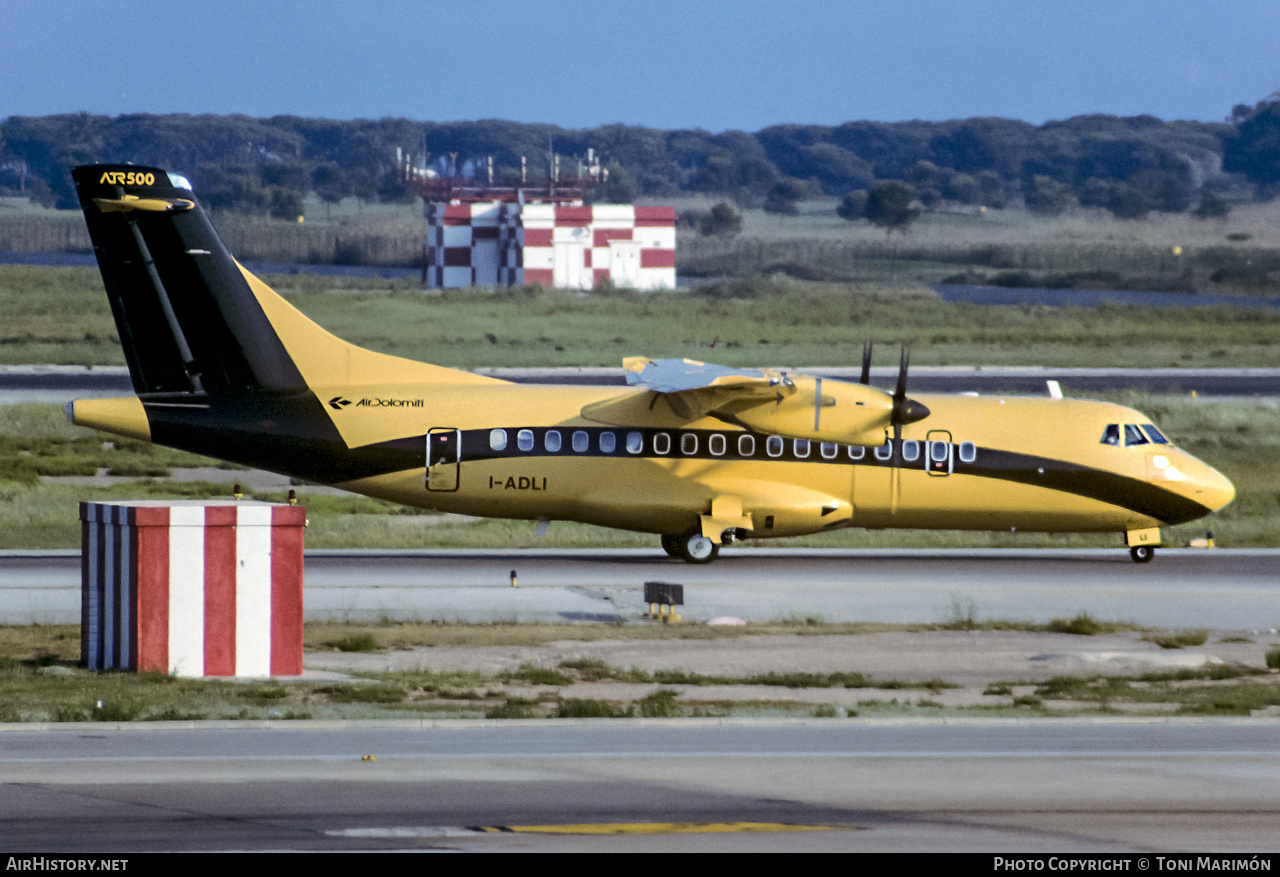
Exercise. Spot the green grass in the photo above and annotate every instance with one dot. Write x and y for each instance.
(61, 316)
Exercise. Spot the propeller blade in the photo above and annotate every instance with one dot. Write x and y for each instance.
(866, 364)
(905, 410)
(900, 391)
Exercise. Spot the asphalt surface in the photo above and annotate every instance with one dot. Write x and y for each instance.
(62, 383)
(1224, 589)
(1112, 786)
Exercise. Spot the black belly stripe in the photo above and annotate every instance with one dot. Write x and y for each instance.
(265, 434)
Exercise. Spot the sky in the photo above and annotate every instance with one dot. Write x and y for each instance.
(708, 64)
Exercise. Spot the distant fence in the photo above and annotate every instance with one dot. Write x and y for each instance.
(709, 256)
(247, 239)
(45, 235)
(398, 244)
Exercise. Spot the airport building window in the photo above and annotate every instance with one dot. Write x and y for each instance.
(608, 443)
(1133, 435)
(581, 441)
(968, 452)
(829, 450)
(689, 443)
(524, 440)
(746, 446)
(884, 451)
(497, 439)
(773, 446)
(1154, 434)
(911, 450)
(716, 444)
(551, 441)
(857, 452)
(661, 443)
(635, 443)
(1111, 435)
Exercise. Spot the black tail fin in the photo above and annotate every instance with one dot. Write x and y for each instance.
(187, 319)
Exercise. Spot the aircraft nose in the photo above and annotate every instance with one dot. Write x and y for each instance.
(1214, 490)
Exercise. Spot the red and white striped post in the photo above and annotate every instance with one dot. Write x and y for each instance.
(192, 588)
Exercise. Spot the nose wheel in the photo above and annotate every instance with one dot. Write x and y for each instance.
(1142, 553)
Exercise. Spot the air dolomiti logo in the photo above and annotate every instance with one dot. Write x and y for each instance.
(337, 403)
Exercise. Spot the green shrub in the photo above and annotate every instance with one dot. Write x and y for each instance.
(513, 708)
(1180, 640)
(660, 704)
(589, 709)
(356, 642)
(1082, 625)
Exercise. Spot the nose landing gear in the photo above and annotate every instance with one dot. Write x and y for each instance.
(1142, 553)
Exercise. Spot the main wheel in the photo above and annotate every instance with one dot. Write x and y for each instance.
(1142, 553)
(671, 545)
(696, 548)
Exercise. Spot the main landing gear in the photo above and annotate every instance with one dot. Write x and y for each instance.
(691, 547)
(1142, 553)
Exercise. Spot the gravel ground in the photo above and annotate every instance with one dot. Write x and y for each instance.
(970, 659)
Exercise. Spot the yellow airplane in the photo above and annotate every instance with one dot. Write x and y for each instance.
(699, 454)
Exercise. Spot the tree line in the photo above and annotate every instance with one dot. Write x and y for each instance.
(1128, 165)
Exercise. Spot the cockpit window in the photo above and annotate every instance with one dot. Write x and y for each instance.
(1111, 435)
(1133, 435)
(1154, 434)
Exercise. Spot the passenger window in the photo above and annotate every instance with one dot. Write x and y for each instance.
(1111, 435)
(938, 451)
(608, 443)
(968, 452)
(1154, 434)
(581, 441)
(716, 444)
(911, 450)
(884, 451)
(524, 440)
(746, 446)
(689, 443)
(773, 446)
(551, 441)
(857, 452)
(800, 447)
(497, 439)
(1133, 435)
(662, 443)
(635, 443)
(828, 450)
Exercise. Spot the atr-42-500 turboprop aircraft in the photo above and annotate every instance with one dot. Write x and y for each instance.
(700, 454)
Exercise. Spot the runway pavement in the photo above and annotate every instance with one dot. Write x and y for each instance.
(58, 384)
(1116, 786)
(1226, 589)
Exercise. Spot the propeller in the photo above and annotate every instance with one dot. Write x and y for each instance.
(866, 364)
(904, 410)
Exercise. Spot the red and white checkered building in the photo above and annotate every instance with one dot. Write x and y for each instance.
(570, 246)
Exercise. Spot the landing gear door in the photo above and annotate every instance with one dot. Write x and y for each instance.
(939, 455)
(444, 453)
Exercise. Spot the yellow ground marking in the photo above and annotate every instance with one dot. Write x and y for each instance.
(658, 828)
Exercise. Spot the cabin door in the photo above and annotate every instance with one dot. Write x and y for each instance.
(939, 453)
(444, 454)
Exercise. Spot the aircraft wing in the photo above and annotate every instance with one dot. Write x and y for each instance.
(694, 389)
(767, 401)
